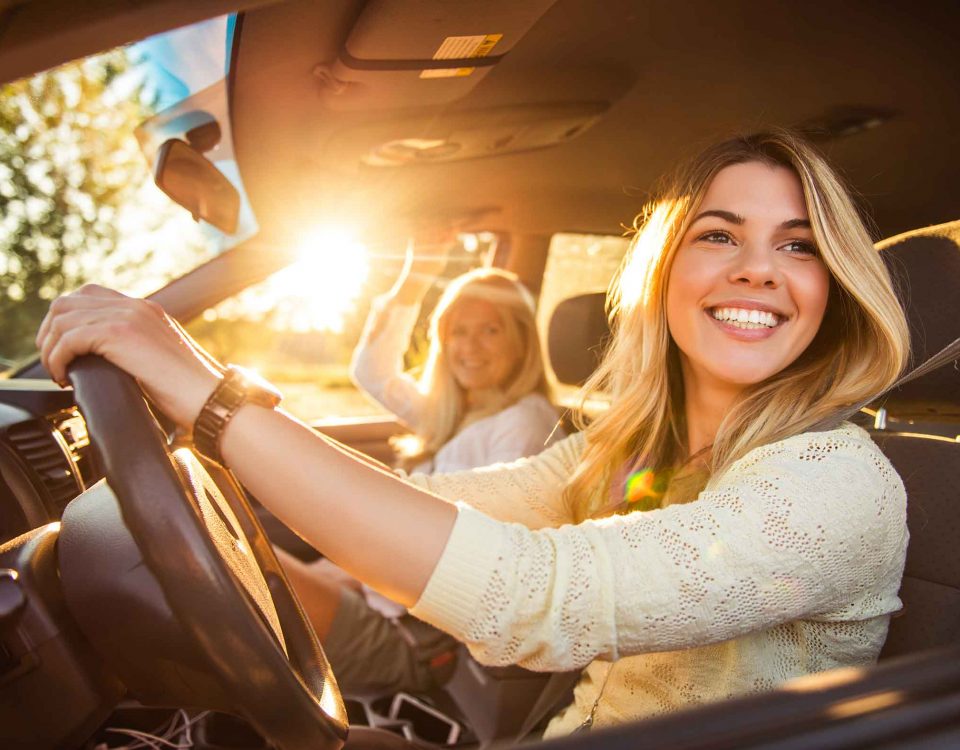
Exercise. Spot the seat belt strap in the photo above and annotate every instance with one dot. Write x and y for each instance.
(950, 352)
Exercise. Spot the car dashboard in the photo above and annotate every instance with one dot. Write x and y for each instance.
(46, 458)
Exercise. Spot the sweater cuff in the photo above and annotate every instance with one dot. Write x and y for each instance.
(452, 597)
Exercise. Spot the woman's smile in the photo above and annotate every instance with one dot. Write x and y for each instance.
(747, 320)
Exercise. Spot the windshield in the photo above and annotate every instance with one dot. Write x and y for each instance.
(78, 202)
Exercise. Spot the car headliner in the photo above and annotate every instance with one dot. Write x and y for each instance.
(675, 76)
(670, 76)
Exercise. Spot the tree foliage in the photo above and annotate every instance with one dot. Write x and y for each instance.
(68, 162)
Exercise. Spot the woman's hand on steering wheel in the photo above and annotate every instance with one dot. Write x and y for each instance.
(137, 336)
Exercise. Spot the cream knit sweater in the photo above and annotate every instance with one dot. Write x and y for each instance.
(788, 563)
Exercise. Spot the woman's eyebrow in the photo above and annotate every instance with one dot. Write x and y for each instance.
(720, 214)
(739, 220)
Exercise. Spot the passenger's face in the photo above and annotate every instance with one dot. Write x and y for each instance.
(478, 350)
(747, 291)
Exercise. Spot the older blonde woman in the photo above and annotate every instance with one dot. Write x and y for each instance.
(706, 537)
(482, 396)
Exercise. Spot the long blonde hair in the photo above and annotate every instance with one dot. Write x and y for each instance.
(445, 403)
(861, 347)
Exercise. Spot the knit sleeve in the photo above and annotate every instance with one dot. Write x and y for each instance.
(377, 364)
(813, 527)
(527, 491)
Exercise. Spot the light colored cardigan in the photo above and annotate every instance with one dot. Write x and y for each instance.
(788, 563)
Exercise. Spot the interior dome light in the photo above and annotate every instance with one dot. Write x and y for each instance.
(408, 151)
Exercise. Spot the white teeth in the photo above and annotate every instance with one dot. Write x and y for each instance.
(742, 318)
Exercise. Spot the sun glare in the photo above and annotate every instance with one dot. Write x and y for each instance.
(314, 292)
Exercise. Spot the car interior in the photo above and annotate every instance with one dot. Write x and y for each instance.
(119, 607)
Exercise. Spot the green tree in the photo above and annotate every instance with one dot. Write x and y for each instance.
(68, 162)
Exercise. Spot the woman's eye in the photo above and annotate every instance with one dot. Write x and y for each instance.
(716, 236)
(801, 247)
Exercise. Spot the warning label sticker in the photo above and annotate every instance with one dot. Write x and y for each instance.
(460, 48)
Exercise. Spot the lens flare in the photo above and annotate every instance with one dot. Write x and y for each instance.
(315, 292)
(644, 489)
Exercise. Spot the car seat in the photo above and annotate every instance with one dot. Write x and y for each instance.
(926, 266)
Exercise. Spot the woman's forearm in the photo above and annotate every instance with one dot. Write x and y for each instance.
(424, 262)
(411, 288)
(380, 529)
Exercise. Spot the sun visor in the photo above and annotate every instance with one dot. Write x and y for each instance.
(429, 52)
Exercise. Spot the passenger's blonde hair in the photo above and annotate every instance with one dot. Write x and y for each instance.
(445, 403)
(861, 347)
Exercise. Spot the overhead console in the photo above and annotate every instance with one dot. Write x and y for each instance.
(467, 134)
(393, 58)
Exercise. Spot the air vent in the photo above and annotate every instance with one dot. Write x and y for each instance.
(44, 451)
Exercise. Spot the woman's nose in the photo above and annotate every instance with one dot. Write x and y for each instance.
(469, 342)
(756, 266)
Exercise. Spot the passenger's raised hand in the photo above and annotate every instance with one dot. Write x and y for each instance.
(137, 336)
(426, 258)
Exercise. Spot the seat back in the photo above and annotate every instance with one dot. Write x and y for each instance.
(576, 337)
(930, 469)
(926, 266)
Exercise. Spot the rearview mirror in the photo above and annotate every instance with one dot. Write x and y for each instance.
(194, 183)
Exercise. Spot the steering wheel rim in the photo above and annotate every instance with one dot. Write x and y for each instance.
(281, 683)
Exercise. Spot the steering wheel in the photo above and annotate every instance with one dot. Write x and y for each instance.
(170, 575)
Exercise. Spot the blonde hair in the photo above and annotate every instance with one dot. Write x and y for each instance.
(861, 347)
(445, 403)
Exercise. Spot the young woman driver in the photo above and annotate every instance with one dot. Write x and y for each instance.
(700, 540)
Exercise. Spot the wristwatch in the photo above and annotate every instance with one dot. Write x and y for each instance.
(237, 387)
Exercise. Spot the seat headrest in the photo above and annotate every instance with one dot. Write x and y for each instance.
(925, 265)
(576, 336)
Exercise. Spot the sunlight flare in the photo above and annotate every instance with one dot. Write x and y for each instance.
(315, 292)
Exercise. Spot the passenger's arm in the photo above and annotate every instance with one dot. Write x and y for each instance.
(377, 366)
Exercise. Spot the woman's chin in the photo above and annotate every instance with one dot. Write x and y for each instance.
(743, 376)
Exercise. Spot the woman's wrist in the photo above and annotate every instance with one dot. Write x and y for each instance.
(190, 397)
